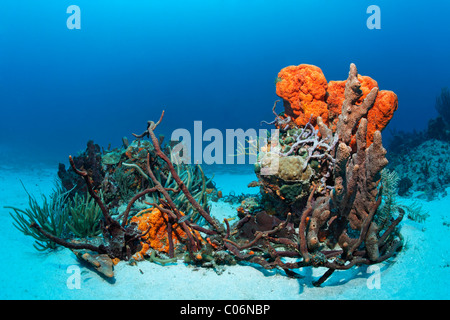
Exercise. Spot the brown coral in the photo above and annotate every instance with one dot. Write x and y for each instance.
(335, 97)
(386, 103)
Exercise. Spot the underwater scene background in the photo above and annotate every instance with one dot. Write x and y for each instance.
(81, 77)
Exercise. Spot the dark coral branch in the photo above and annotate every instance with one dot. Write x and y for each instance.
(150, 126)
(324, 277)
(233, 248)
(302, 234)
(366, 224)
(191, 241)
(179, 182)
(243, 221)
(284, 241)
(161, 189)
(91, 191)
(170, 213)
(169, 239)
(302, 228)
(201, 229)
(391, 228)
(70, 245)
(227, 224)
(273, 111)
(132, 201)
(258, 236)
(274, 106)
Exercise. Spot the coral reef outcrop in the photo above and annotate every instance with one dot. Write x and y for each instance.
(443, 105)
(421, 157)
(320, 183)
(428, 164)
(337, 221)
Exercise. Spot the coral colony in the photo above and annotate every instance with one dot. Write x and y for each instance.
(320, 208)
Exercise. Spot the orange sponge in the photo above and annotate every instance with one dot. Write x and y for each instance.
(303, 89)
(157, 238)
(307, 95)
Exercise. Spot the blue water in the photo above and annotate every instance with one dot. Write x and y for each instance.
(214, 61)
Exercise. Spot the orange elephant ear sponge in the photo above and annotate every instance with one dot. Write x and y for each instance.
(335, 99)
(381, 113)
(303, 89)
(155, 222)
(306, 94)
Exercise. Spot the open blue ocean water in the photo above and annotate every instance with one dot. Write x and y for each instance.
(74, 71)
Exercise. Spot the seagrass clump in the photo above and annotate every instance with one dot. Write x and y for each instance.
(51, 216)
(84, 216)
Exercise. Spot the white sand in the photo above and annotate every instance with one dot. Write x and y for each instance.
(421, 271)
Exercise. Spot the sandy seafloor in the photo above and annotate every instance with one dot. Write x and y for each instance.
(421, 271)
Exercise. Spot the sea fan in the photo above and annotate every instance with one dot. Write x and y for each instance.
(416, 212)
(389, 180)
